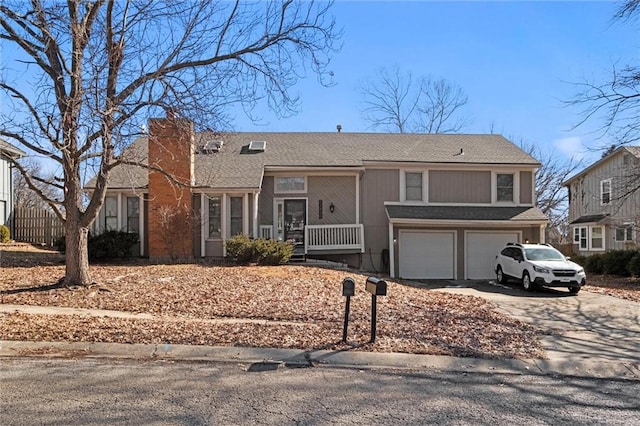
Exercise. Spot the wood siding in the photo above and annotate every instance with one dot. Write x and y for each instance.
(526, 188)
(5, 192)
(462, 187)
(585, 192)
(585, 200)
(377, 186)
(339, 190)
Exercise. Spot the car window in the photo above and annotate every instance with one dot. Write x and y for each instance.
(543, 254)
(517, 254)
(506, 252)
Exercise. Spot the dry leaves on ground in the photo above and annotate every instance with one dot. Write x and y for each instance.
(185, 297)
(621, 287)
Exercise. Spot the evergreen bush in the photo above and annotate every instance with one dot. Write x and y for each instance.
(593, 264)
(5, 234)
(241, 249)
(616, 262)
(111, 245)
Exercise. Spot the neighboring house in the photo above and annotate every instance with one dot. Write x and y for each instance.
(604, 211)
(7, 151)
(412, 205)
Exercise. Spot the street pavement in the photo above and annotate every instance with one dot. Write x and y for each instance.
(87, 391)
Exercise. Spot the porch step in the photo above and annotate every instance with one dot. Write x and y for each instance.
(298, 258)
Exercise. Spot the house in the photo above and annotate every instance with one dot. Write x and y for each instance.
(412, 205)
(604, 210)
(7, 152)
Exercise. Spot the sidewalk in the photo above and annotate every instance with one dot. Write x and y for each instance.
(269, 358)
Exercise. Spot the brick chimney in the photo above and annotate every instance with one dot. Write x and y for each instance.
(171, 149)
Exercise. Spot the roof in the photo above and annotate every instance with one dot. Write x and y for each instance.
(464, 213)
(11, 150)
(594, 218)
(234, 166)
(633, 150)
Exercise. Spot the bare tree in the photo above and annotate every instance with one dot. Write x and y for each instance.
(85, 75)
(24, 196)
(550, 194)
(616, 102)
(396, 102)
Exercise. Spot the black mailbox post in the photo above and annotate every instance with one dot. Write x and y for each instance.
(377, 287)
(348, 290)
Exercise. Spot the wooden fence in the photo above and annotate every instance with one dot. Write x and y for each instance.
(36, 226)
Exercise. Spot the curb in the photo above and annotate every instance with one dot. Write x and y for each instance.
(273, 358)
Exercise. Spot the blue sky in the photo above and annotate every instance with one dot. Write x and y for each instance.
(515, 61)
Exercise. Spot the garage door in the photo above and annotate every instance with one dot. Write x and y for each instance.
(481, 249)
(427, 254)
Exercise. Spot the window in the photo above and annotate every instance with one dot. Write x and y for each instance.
(413, 186)
(576, 235)
(597, 238)
(605, 192)
(624, 232)
(110, 213)
(291, 184)
(584, 242)
(215, 217)
(504, 187)
(133, 214)
(236, 215)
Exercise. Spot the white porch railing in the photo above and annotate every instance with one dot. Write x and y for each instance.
(334, 237)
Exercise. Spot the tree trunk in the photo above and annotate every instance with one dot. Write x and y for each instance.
(77, 257)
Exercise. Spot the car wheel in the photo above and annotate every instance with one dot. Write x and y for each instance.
(526, 282)
(574, 290)
(500, 276)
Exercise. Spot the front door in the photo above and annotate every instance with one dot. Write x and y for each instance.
(295, 217)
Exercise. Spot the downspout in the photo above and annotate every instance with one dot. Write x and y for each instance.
(256, 200)
(392, 266)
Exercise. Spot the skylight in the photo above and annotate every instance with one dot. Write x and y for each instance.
(257, 145)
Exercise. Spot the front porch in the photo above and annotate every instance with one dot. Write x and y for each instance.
(334, 238)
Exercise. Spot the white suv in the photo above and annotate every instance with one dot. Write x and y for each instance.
(538, 265)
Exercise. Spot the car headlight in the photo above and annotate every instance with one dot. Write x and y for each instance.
(541, 270)
(580, 271)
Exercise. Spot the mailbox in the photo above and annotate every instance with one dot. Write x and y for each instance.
(348, 287)
(376, 286)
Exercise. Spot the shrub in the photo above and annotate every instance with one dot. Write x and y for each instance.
(60, 244)
(593, 264)
(111, 245)
(240, 249)
(615, 262)
(271, 252)
(579, 259)
(5, 235)
(634, 265)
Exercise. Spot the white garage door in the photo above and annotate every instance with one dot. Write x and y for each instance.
(427, 254)
(481, 250)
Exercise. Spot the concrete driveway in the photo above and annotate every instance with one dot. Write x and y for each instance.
(586, 327)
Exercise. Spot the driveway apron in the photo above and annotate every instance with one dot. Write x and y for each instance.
(587, 326)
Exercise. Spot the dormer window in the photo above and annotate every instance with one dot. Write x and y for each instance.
(605, 192)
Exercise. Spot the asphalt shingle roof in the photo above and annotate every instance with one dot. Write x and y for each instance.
(594, 218)
(234, 167)
(489, 213)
